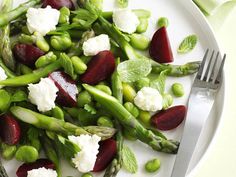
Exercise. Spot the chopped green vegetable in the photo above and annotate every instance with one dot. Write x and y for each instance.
(132, 109)
(27, 154)
(8, 151)
(167, 101)
(133, 70)
(187, 44)
(129, 160)
(152, 165)
(139, 41)
(177, 89)
(128, 92)
(84, 98)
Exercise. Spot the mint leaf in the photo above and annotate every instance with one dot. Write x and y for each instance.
(160, 82)
(90, 109)
(187, 44)
(133, 70)
(129, 160)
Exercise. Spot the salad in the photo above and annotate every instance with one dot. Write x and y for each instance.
(74, 84)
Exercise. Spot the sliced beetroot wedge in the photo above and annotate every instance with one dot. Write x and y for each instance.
(100, 67)
(40, 163)
(9, 129)
(67, 89)
(170, 118)
(57, 4)
(27, 54)
(160, 48)
(107, 152)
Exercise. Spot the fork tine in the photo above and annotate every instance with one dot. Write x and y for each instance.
(219, 75)
(214, 68)
(200, 71)
(206, 75)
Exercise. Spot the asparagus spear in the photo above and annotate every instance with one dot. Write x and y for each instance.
(5, 47)
(7, 17)
(50, 123)
(127, 120)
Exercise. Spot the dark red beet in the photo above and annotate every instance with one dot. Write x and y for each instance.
(67, 95)
(107, 152)
(170, 118)
(27, 54)
(160, 49)
(57, 4)
(40, 163)
(9, 129)
(100, 67)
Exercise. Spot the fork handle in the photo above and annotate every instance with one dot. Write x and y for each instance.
(198, 111)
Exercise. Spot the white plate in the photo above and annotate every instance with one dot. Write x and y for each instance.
(185, 18)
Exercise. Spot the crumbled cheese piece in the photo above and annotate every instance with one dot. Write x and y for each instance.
(148, 99)
(85, 159)
(40, 172)
(125, 20)
(42, 20)
(96, 44)
(3, 75)
(43, 94)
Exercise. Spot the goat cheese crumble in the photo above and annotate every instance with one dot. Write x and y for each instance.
(43, 94)
(125, 20)
(3, 75)
(42, 172)
(42, 20)
(96, 44)
(85, 159)
(148, 99)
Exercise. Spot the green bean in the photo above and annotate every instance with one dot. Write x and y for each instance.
(5, 100)
(163, 21)
(144, 82)
(177, 89)
(143, 25)
(44, 60)
(152, 165)
(58, 113)
(144, 117)
(79, 66)
(105, 121)
(128, 92)
(139, 41)
(61, 42)
(84, 98)
(24, 69)
(27, 154)
(8, 151)
(132, 109)
(167, 101)
(87, 175)
(64, 15)
(104, 88)
(32, 77)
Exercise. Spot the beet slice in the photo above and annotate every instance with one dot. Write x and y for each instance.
(10, 131)
(57, 4)
(67, 95)
(160, 48)
(107, 152)
(27, 54)
(170, 118)
(100, 67)
(40, 163)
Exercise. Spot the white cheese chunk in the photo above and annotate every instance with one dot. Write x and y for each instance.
(148, 99)
(42, 20)
(43, 94)
(125, 20)
(3, 75)
(85, 159)
(42, 172)
(96, 44)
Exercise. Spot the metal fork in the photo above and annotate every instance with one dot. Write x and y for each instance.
(202, 96)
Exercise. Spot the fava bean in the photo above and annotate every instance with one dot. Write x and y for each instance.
(163, 21)
(132, 109)
(64, 15)
(128, 92)
(5, 100)
(130, 134)
(26, 154)
(104, 88)
(105, 121)
(24, 69)
(144, 117)
(41, 42)
(167, 101)
(61, 42)
(143, 25)
(8, 151)
(144, 82)
(83, 98)
(58, 113)
(87, 175)
(139, 41)
(177, 89)
(152, 165)
(79, 66)
(45, 60)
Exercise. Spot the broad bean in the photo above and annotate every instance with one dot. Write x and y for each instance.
(27, 154)
(177, 89)
(79, 66)
(139, 41)
(152, 165)
(105, 121)
(128, 92)
(132, 109)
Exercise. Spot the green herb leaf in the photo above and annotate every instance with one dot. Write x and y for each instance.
(5, 100)
(67, 65)
(133, 70)
(90, 109)
(129, 160)
(160, 82)
(187, 44)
